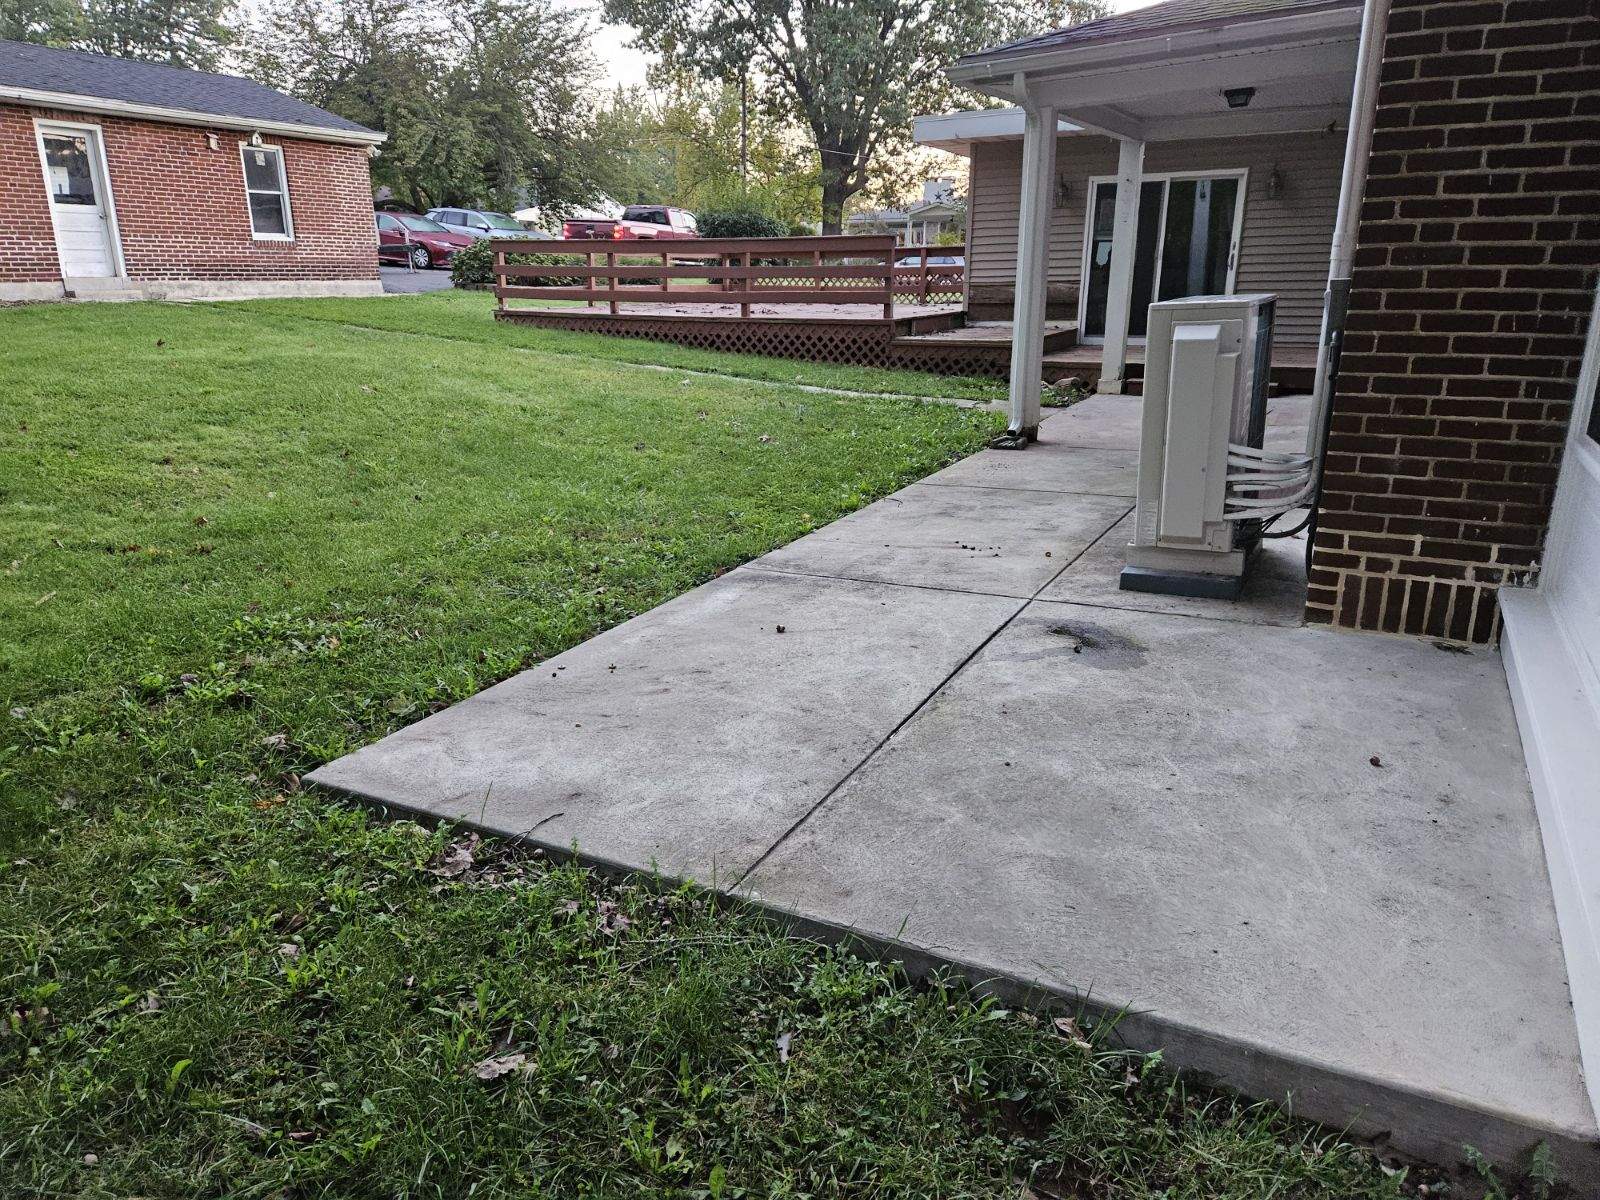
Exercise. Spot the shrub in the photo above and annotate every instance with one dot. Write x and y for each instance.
(473, 267)
(740, 223)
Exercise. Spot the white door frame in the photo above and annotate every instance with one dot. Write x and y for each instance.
(1242, 174)
(102, 181)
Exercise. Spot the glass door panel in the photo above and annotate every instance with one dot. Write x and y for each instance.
(1183, 246)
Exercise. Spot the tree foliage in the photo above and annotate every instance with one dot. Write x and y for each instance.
(184, 33)
(485, 102)
(680, 144)
(853, 72)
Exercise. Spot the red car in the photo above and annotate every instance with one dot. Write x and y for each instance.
(426, 243)
(639, 222)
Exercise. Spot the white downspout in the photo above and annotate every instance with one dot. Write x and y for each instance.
(1352, 187)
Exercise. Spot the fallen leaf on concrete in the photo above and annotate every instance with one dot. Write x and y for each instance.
(1375, 761)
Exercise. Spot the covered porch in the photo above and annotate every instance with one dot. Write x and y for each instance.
(1149, 164)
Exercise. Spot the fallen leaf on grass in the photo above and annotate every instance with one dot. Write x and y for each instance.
(1069, 1029)
(501, 1064)
(455, 859)
(785, 1040)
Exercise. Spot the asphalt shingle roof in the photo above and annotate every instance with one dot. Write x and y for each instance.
(79, 73)
(1171, 17)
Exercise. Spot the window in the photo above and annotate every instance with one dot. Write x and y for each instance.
(420, 224)
(267, 191)
(385, 221)
(496, 220)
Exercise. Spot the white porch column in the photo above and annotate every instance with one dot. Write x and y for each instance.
(1124, 234)
(1033, 254)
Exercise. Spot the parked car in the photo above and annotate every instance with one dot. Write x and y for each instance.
(430, 243)
(934, 260)
(480, 223)
(638, 222)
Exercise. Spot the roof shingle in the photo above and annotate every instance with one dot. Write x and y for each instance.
(80, 73)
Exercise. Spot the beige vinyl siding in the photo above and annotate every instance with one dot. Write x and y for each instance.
(1283, 247)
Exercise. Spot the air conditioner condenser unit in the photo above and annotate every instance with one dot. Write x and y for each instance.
(1206, 485)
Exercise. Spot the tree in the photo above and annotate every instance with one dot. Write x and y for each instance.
(184, 33)
(853, 72)
(483, 102)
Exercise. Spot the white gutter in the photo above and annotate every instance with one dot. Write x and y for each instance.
(184, 116)
(1352, 187)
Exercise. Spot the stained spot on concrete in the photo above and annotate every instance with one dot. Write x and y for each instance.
(1097, 646)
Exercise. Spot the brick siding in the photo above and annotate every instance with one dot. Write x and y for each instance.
(181, 208)
(1474, 275)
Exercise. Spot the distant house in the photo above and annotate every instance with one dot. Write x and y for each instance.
(920, 225)
(128, 180)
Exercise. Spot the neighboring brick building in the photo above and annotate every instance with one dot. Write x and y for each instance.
(1474, 276)
(124, 179)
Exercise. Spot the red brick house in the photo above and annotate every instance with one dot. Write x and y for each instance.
(128, 180)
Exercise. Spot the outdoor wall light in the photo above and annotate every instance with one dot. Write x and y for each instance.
(1238, 97)
(212, 143)
(1063, 191)
(1274, 183)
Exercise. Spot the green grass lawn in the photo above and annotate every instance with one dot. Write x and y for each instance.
(237, 541)
(464, 316)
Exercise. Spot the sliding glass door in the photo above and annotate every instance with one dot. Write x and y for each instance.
(1186, 244)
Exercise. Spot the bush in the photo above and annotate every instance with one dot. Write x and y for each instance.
(740, 223)
(473, 267)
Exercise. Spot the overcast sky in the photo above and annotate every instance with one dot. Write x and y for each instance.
(624, 67)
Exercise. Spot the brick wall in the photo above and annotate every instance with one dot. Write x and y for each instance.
(1474, 274)
(181, 209)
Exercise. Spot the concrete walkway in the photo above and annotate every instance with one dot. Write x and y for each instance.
(1307, 862)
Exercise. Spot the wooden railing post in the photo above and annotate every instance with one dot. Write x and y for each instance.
(499, 277)
(611, 283)
(888, 283)
(666, 279)
(923, 291)
(744, 303)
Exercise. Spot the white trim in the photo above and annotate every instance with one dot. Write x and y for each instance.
(1233, 36)
(102, 169)
(283, 184)
(184, 116)
(1242, 174)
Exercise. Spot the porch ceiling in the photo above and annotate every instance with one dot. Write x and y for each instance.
(1169, 88)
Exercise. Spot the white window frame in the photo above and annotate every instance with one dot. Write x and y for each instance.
(97, 140)
(1242, 174)
(283, 183)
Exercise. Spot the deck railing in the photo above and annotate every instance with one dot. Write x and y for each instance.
(722, 271)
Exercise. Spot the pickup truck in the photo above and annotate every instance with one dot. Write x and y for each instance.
(638, 222)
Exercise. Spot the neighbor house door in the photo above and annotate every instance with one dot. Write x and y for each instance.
(80, 200)
(1187, 244)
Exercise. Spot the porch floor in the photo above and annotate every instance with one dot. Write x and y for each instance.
(1306, 862)
(870, 313)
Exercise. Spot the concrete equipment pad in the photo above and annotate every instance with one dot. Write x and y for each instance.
(690, 737)
(1007, 543)
(1309, 859)
(1274, 588)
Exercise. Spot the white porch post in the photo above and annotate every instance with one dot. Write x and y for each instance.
(1033, 254)
(1124, 234)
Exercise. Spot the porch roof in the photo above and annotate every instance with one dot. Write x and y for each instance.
(1162, 76)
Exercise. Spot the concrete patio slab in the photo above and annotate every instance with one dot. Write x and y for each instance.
(1185, 817)
(1155, 808)
(969, 539)
(1109, 422)
(690, 737)
(1048, 466)
(1274, 589)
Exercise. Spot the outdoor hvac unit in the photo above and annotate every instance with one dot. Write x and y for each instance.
(1206, 486)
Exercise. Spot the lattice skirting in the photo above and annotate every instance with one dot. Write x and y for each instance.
(862, 343)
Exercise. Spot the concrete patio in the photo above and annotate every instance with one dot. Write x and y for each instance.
(1305, 862)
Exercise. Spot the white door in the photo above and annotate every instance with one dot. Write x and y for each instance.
(80, 201)
(1570, 579)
